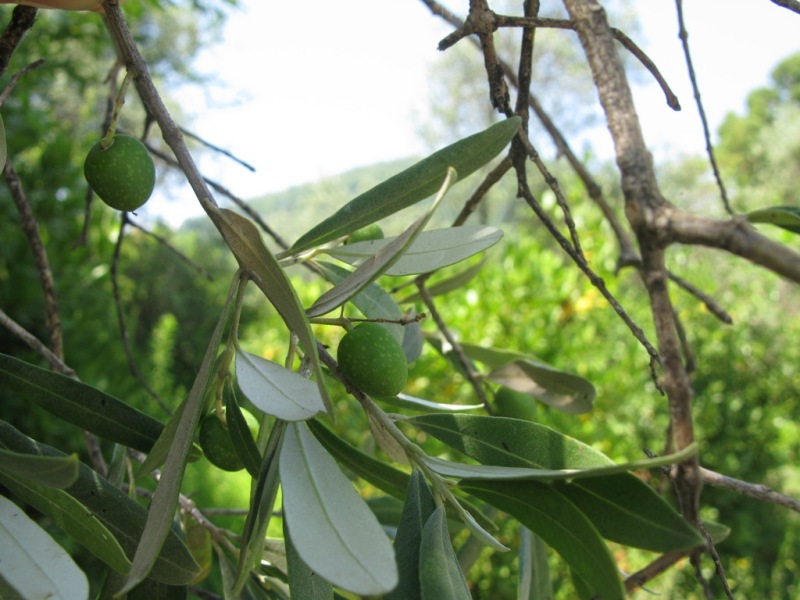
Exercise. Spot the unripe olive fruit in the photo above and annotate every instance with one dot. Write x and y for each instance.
(511, 403)
(365, 234)
(373, 360)
(123, 174)
(217, 444)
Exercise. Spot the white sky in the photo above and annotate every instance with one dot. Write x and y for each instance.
(299, 111)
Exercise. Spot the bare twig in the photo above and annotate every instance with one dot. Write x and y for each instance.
(684, 36)
(22, 19)
(217, 149)
(166, 243)
(754, 490)
(56, 363)
(31, 229)
(712, 305)
(654, 569)
(491, 179)
(16, 77)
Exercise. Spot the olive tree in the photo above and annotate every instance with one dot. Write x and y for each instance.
(452, 468)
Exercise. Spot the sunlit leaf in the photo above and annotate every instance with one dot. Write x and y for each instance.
(439, 573)
(417, 509)
(383, 476)
(247, 246)
(277, 390)
(413, 403)
(430, 251)
(49, 471)
(372, 301)
(377, 264)
(32, 563)
(556, 520)
(333, 529)
(304, 583)
(416, 183)
(80, 404)
(787, 217)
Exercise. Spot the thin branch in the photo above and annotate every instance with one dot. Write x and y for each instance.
(712, 305)
(22, 19)
(217, 149)
(491, 179)
(793, 5)
(654, 569)
(123, 330)
(56, 363)
(754, 490)
(31, 229)
(472, 376)
(16, 77)
(683, 34)
(644, 206)
(166, 243)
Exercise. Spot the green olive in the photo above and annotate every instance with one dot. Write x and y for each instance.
(122, 175)
(365, 234)
(373, 360)
(215, 440)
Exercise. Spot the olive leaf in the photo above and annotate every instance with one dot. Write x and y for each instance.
(416, 183)
(439, 573)
(50, 471)
(247, 246)
(787, 217)
(431, 250)
(276, 390)
(377, 264)
(332, 528)
(32, 563)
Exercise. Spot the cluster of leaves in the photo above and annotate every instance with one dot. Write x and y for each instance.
(569, 495)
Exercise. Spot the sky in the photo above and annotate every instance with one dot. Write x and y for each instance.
(304, 90)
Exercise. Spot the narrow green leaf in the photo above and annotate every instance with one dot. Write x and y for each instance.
(787, 217)
(430, 251)
(628, 511)
(565, 528)
(32, 562)
(333, 529)
(276, 390)
(377, 264)
(417, 509)
(413, 340)
(242, 438)
(80, 404)
(264, 495)
(621, 506)
(413, 403)
(372, 301)
(165, 498)
(412, 185)
(45, 470)
(439, 573)
(121, 515)
(247, 246)
(534, 569)
(456, 469)
(382, 476)
(304, 583)
(73, 517)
